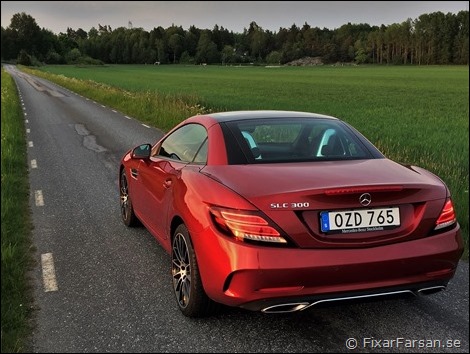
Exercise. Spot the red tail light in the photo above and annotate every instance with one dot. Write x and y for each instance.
(447, 216)
(246, 225)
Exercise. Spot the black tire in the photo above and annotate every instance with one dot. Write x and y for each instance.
(127, 211)
(190, 296)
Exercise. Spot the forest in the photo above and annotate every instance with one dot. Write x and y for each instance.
(430, 39)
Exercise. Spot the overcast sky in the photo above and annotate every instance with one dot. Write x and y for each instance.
(232, 15)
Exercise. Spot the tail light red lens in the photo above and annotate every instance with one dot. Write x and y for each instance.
(245, 225)
(447, 217)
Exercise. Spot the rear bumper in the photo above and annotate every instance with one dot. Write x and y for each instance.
(254, 277)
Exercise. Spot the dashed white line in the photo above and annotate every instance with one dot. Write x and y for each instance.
(25, 113)
(103, 106)
(39, 199)
(28, 130)
(26, 121)
(146, 126)
(48, 272)
(34, 164)
(114, 111)
(127, 117)
(30, 144)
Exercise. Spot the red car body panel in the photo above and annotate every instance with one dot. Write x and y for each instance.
(313, 264)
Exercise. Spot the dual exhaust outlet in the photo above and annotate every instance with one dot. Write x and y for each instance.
(300, 306)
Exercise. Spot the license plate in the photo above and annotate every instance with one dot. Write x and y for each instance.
(363, 220)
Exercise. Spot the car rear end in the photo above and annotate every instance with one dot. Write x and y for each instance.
(328, 218)
(280, 257)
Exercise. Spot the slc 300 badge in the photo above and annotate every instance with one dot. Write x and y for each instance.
(300, 205)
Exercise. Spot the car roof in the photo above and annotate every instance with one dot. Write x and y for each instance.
(261, 114)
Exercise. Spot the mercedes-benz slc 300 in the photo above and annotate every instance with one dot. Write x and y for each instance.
(279, 211)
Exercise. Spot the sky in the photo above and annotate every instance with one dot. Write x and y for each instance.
(234, 16)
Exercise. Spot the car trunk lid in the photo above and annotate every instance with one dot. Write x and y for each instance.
(299, 196)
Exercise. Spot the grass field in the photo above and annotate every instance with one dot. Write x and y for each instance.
(415, 115)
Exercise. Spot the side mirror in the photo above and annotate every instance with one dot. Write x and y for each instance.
(142, 152)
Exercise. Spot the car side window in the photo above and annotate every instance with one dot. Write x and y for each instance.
(184, 143)
(201, 155)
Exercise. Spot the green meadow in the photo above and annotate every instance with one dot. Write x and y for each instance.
(415, 115)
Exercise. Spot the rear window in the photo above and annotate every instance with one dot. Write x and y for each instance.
(292, 140)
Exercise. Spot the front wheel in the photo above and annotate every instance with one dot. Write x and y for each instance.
(127, 211)
(187, 285)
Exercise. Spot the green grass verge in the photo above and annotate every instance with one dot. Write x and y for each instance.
(17, 247)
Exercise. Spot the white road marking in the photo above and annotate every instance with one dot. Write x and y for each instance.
(145, 125)
(25, 113)
(26, 121)
(127, 117)
(34, 164)
(103, 106)
(28, 130)
(39, 199)
(114, 111)
(30, 144)
(48, 272)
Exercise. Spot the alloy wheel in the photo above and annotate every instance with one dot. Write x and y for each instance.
(181, 270)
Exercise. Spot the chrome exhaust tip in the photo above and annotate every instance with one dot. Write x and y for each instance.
(286, 308)
(431, 290)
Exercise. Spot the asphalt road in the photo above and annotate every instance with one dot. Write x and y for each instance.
(112, 287)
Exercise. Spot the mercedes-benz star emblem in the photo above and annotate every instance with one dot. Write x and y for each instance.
(365, 199)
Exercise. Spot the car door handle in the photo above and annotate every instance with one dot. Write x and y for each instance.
(134, 172)
(167, 183)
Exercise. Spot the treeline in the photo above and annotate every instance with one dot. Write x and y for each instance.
(434, 38)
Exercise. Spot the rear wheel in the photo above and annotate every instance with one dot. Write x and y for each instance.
(187, 285)
(127, 211)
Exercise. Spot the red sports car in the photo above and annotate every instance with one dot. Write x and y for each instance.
(278, 211)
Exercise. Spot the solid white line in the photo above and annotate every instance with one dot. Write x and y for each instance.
(145, 125)
(39, 198)
(48, 272)
(34, 164)
(30, 144)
